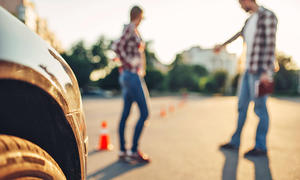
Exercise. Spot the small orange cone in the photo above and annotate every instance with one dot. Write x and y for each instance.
(104, 138)
(181, 103)
(163, 112)
(184, 99)
(184, 95)
(171, 108)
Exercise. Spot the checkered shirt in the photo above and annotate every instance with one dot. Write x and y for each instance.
(263, 51)
(127, 49)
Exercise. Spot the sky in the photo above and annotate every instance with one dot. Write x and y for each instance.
(172, 25)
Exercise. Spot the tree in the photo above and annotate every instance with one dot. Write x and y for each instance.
(216, 82)
(178, 60)
(98, 53)
(286, 77)
(150, 56)
(111, 81)
(200, 70)
(183, 77)
(235, 83)
(154, 79)
(78, 59)
(220, 77)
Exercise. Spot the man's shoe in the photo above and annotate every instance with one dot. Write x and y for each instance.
(139, 157)
(255, 153)
(229, 146)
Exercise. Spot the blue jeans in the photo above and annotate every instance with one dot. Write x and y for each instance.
(132, 90)
(246, 95)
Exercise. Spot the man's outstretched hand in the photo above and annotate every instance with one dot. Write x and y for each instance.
(218, 48)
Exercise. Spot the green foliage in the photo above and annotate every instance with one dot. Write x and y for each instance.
(83, 60)
(200, 70)
(202, 83)
(78, 59)
(183, 76)
(99, 58)
(178, 60)
(150, 56)
(154, 79)
(235, 83)
(216, 82)
(195, 78)
(111, 81)
(286, 77)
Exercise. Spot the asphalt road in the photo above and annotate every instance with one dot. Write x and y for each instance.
(184, 143)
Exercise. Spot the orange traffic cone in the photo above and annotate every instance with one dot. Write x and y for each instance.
(163, 112)
(184, 95)
(171, 108)
(104, 138)
(184, 99)
(181, 103)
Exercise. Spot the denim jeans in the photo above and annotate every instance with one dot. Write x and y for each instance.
(132, 91)
(246, 95)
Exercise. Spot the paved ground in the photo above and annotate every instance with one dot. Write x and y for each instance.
(184, 144)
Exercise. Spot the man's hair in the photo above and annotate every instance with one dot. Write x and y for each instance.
(135, 12)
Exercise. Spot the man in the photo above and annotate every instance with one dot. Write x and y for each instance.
(259, 34)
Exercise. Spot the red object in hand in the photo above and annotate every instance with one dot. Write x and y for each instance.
(263, 88)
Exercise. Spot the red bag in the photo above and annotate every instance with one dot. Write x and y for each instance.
(262, 89)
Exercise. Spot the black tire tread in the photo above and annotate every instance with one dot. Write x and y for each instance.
(17, 144)
(12, 144)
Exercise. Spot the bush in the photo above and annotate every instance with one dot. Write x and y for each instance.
(235, 83)
(154, 79)
(286, 78)
(183, 76)
(79, 62)
(216, 82)
(111, 81)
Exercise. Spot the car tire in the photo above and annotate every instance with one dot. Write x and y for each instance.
(23, 160)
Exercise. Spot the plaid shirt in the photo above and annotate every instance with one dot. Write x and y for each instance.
(127, 49)
(262, 56)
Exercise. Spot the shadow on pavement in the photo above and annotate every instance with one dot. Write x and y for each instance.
(95, 151)
(113, 170)
(262, 168)
(230, 165)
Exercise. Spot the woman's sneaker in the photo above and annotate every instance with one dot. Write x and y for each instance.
(123, 157)
(139, 157)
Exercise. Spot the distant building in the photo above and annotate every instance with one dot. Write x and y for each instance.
(25, 11)
(46, 34)
(211, 61)
(159, 66)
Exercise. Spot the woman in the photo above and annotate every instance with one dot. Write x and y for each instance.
(130, 50)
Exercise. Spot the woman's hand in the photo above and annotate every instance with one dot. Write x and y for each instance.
(142, 73)
(142, 47)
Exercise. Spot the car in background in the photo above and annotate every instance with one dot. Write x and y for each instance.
(42, 125)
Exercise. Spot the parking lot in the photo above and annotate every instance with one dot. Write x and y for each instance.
(184, 143)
